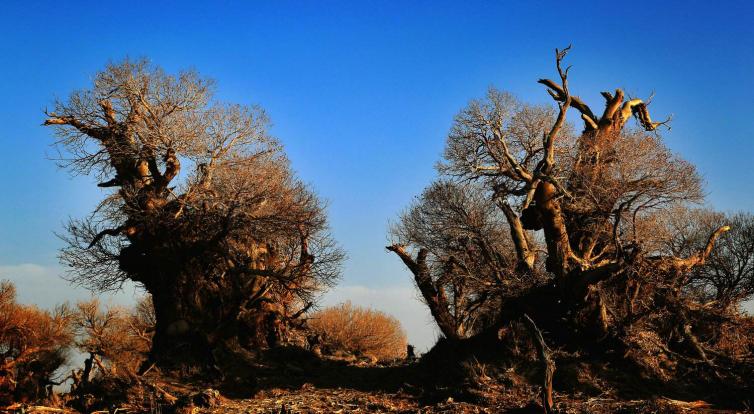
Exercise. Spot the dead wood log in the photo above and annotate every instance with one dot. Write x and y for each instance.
(168, 397)
(19, 407)
(548, 365)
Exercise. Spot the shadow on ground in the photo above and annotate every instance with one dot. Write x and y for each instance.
(293, 368)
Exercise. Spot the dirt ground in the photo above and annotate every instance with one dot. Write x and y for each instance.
(296, 382)
(311, 400)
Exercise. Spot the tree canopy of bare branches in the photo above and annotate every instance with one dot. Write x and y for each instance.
(465, 256)
(200, 207)
(574, 229)
(727, 277)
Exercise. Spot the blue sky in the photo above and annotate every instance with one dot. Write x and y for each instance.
(362, 95)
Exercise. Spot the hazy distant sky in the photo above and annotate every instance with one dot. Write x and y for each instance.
(362, 95)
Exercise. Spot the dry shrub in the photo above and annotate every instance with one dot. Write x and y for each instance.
(33, 345)
(116, 338)
(733, 336)
(361, 331)
(115, 341)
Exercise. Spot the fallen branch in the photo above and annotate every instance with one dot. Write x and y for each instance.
(548, 365)
(32, 409)
(170, 398)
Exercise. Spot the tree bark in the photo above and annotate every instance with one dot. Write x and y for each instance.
(433, 295)
(198, 302)
(524, 254)
(552, 222)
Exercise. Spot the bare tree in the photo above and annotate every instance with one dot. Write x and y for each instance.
(228, 248)
(727, 277)
(496, 142)
(455, 242)
(593, 199)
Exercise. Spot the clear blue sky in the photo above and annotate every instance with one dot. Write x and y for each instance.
(362, 95)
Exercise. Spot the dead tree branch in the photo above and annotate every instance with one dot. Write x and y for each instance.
(548, 365)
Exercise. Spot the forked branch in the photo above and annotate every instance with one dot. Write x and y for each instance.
(107, 232)
(557, 93)
(434, 295)
(545, 166)
(700, 257)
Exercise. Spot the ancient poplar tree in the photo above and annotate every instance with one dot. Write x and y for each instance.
(200, 207)
(532, 219)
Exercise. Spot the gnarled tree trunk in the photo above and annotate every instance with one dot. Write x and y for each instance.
(225, 250)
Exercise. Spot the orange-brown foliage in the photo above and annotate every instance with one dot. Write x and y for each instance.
(32, 346)
(120, 337)
(360, 331)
